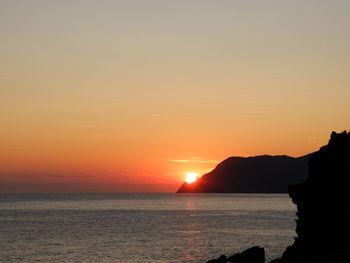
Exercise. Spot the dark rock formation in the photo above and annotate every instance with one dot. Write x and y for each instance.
(221, 259)
(259, 174)
(323, 224)
(251, 255)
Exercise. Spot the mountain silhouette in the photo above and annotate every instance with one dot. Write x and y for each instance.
(258, 174)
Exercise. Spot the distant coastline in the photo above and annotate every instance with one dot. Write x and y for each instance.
(258, 174)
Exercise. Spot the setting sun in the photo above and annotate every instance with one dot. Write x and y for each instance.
(191, 177)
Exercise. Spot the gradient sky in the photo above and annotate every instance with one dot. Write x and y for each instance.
(131, 95)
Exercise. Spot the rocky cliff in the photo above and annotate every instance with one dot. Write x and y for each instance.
(323, 203)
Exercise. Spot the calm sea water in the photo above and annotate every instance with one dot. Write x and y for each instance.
(141, 228)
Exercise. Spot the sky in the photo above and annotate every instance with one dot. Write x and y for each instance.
(128, 96)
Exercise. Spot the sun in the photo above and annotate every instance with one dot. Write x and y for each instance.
(191, 177)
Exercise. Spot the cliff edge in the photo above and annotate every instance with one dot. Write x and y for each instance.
(323, 224)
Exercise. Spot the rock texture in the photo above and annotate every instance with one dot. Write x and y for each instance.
(323, 203)
(259, 174)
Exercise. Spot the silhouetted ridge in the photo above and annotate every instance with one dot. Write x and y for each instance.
(258, 174)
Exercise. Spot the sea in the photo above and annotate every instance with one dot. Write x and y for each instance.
(141, 228)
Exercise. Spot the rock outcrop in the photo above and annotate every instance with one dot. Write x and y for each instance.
(250, 255)
(323, 224)
(221, 259)
(259, 174)
(323, 202)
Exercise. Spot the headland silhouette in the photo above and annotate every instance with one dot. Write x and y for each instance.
(258, 174)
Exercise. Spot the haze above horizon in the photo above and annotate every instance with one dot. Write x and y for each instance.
(135, 94)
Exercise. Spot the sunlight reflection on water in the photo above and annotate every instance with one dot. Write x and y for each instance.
(141, 227)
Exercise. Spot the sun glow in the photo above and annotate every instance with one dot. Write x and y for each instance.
(191, 177)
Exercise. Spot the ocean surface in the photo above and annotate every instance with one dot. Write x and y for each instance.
(141, 228)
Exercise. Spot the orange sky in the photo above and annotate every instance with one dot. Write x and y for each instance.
(131, 95)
